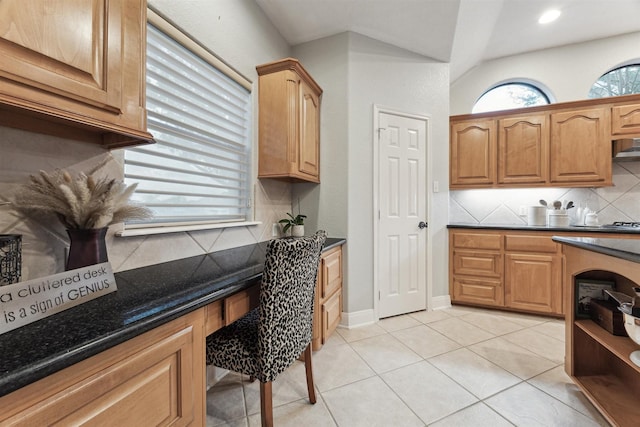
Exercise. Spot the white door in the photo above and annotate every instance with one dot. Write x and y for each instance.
(402, 203)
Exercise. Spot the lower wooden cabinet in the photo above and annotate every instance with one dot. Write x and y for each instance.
(154, 379)
(328, 309)
(506, 269)
(511, 269)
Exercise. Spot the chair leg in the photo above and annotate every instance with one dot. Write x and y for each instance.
(308, 368)
(266, 404)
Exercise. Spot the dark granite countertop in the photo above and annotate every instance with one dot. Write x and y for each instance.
(627, 249)
(146, 298)
(570, 229)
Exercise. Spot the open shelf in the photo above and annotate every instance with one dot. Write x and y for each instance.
(621, 411)
(597, 360)
(621, 347)
(604, 372)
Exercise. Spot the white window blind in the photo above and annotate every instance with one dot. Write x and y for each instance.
(199, 170)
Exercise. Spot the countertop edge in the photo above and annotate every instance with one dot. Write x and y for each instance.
(524, 227)
(616, 248)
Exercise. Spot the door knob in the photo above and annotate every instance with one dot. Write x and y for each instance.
(422, 225)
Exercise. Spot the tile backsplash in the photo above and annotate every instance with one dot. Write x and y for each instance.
(502, 206)
(45, 244)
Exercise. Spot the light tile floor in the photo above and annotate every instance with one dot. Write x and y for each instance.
(454, 367)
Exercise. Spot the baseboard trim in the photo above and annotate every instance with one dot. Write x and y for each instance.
(357, 318)
(366, 317)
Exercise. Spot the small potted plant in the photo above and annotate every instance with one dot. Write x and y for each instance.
(296, 223)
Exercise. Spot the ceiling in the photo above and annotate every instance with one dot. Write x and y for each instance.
(464, 33)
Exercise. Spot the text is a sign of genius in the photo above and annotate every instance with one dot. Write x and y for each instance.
(26, 302)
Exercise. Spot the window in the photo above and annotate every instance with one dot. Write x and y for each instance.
(619, 81)
(510, 95)
(199, 170)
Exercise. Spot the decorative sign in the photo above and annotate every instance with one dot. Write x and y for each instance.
(25, 302)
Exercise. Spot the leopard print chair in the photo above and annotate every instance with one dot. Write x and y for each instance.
(268, 339)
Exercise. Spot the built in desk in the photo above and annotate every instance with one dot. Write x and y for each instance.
(141, 347)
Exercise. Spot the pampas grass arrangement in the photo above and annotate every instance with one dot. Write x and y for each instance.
(80, 202)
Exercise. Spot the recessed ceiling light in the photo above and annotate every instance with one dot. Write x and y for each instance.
(549, 16)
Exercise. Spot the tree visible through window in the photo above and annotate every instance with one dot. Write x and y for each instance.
(510, 95)
(620, 81)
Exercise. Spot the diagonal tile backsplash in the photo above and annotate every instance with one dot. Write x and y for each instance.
(502, 206)
(45, 244)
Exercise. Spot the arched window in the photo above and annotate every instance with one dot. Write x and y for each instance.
(510, 95)
(623, 80)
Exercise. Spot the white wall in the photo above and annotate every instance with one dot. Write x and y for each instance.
(376, 74)
(568, 71)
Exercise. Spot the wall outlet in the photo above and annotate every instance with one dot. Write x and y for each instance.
(275, 229)
(523, 211)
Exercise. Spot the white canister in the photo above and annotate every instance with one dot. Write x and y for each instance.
(537, 215)
(558, 220)
(591, 219)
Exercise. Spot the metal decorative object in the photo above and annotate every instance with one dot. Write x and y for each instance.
(10, 258)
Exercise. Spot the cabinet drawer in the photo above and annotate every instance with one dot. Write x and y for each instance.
(477, 241)
(213, 317)
(331, 314)
(473, 263)
(488, 292)
(331, 274)
(625, 119)
(239, 304)
(517, 243)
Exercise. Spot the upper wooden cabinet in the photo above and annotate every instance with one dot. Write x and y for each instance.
(77, 64)
(289, 122)
(473, 153)
(581, 147)
(558, 145)
(523, 150)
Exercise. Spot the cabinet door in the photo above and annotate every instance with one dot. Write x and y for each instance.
(288, 123)
(77, 60)
(473, 154)
(154, 379)
(64, 47)
(533, 283)
(625, 119)
(331, 315)
(580, 148)
(523, 144)
(309, 144)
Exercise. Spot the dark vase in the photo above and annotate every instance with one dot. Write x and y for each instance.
(87, 247)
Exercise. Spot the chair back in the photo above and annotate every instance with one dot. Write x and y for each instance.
(286, 301)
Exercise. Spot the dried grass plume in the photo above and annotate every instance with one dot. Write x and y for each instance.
(80, 202)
